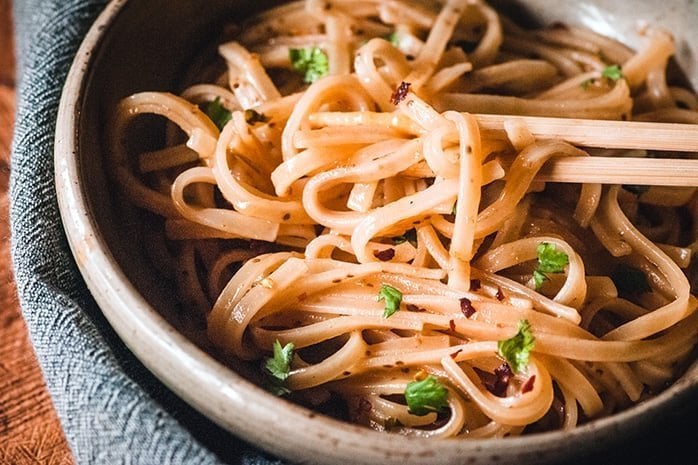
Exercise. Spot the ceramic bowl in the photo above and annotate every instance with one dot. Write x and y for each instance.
(147, 45)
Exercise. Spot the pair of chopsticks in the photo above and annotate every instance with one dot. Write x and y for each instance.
(629, 135)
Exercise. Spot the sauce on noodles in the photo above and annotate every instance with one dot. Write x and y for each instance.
(336, 216)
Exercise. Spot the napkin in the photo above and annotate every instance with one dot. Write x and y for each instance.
(113, 411)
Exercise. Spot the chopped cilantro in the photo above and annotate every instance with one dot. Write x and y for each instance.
(630, 280)
(550, 260)
(612, 72)
(253, 117)
(278, 367)
(426, 396)
(517, 349)
(394, 39)
(392, 298)
(218, 114)
(311, 62)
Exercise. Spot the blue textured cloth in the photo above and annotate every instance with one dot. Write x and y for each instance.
(113, 411)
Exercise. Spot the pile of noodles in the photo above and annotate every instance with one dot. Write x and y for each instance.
(285, 226)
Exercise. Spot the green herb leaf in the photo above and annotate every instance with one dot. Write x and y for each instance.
(394, 39)
(630, 280)
(517, 349)
(550, 260)
(218, 113)
(409, 236)
(426, 396)
(279, 365)
(253, 117)
(392, 298)
(612, 72)
(311, 62)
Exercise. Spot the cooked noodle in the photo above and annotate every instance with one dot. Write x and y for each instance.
(285, 223)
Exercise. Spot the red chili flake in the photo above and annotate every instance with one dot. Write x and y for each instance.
(475, 285)
(414, 308)
(528, 385)
(455, 354)
(302, 296)
(452, 324)
(498, 381)
(466, 306)
(400, 93)
(500, 294)
(384, 255)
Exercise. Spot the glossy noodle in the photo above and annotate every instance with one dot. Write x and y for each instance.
(333, 212)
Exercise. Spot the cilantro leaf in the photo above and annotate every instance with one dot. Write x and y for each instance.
(394, 39)
(630, 280)
(218, 114)
(612, 72)
(550, 260)
(278, 367)
(311, 62)
(517, 348)
(392, 298)
(426, 396)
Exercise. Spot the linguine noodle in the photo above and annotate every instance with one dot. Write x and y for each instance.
(367, 223)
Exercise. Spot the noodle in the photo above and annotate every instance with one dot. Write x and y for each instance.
(330, 198)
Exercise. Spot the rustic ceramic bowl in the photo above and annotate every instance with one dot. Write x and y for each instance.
(147, 45)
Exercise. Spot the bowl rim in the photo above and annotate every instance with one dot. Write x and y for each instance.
(236, 404)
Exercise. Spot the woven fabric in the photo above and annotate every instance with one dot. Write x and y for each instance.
(113, 411)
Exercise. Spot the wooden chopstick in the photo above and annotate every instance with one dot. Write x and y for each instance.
(621, 170)
(677, 137)
(605, 170)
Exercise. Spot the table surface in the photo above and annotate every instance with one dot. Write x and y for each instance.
(29, 429)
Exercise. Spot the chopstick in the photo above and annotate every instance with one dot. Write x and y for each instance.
(677, 137)
(621, 170)
(605, 170)
(630, 135)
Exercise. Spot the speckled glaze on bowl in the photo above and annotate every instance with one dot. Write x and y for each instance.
(146, 45)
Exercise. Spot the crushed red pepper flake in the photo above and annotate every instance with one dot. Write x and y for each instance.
(455, 354)
(384, 255)
(452, 324)
(466, 306)
(475, 285)
(496, 382)
(500, 294)
(528, 385)
(400, 93)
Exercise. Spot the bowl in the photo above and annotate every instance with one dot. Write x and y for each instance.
(148, 45)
